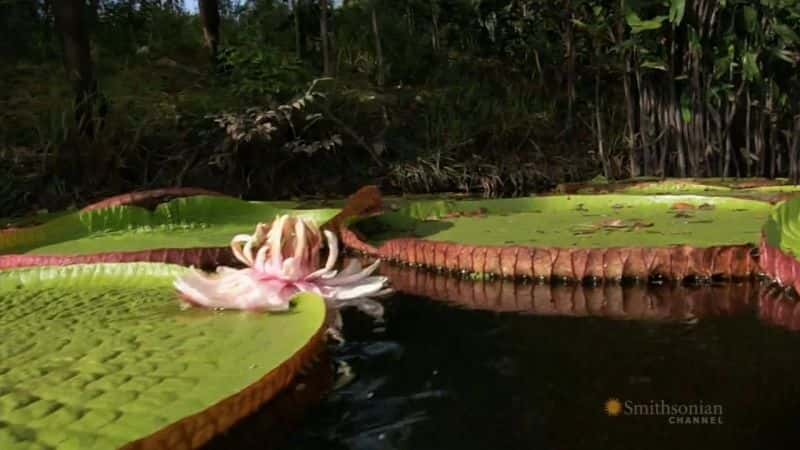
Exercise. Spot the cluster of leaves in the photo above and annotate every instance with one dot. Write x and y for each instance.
(293, 125)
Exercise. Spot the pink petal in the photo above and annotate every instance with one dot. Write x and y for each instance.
(235, 289)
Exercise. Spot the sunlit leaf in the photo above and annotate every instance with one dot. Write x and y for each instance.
(750, 66)
(788, 35)
(686, 108)
(750, 18)
(638, 25)
(676, 11)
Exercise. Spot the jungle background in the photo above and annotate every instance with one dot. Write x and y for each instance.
(283, 98)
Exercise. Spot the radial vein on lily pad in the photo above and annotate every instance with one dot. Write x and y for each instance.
(282, 260)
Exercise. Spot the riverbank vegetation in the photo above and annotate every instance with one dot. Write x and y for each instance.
(275, 99)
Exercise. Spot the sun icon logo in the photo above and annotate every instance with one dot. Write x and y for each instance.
(613, 407)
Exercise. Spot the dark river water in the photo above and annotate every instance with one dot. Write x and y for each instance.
(460, 374)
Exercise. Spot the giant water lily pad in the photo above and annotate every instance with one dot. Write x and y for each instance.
(181, 230)
(576, 236)
(588, 221)
(769, 190)
(102, 356)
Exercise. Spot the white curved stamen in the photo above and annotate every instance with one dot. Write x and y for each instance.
(349, 279)
(261, 258)
(237, 244)
(333, 255)
(300, 239)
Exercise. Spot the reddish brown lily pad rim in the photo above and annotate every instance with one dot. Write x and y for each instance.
(615, 263)
(150, 199)
(198, 429)
(273, 424)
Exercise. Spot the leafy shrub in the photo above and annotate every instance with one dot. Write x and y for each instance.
(259, 74)
(292, 126)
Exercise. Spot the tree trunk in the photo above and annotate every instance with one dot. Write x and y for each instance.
(209, 17)
(409, 19)
(569, 53)
(599, 125)
(332, 53)
(47, 26)
(378, 50)
(435, 25)
(298, 45)
(323, 36)
(70, 21)
(94, 13)
(633, 166)
(630, 109)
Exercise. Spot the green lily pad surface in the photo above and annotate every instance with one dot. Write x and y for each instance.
(191, 222)
(755, 188)
(97, 356)
(586, 221)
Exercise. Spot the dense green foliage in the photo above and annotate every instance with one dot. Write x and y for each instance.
(500, 97)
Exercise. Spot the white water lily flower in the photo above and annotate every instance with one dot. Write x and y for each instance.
(283, 260)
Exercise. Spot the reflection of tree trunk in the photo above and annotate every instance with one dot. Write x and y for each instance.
(323, 36)
(70, 21)
(209, 16)
(378, 49)
(298, 46)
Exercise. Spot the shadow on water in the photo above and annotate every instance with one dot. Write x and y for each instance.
(495, 365)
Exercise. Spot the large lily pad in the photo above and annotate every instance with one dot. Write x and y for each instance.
(586, 221)
(181, 230)
(577, 236)
(102, 356)
(768, 190)
(673, 185)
